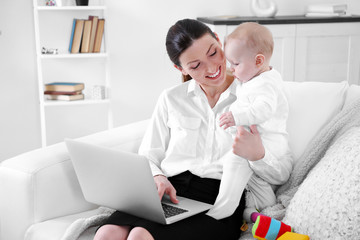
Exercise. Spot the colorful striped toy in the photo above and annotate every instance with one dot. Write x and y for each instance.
(267, 228)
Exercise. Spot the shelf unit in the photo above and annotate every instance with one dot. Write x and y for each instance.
(66, 8)
(62, 119)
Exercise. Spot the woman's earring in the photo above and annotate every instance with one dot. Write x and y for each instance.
(217, 37)
(177, 67)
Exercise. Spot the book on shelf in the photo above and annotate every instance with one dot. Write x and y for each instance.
(99, 35)
(85, 42)
(87, 35)
(72, 35)
(327, 15)
(65, 97)
(62, 93)
(94, 20)
(77, 36)
(326, 10)
(64, 86)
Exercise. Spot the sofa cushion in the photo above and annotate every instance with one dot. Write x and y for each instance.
(312, 105)
(127, 137)
(352, 94)
(326, 205)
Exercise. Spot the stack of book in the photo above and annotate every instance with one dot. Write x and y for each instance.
(87, 35)
(65, 91)
(326, 10)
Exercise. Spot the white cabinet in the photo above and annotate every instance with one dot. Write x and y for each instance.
(70, 119)
(327, 51)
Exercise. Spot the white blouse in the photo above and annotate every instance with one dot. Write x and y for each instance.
(262, 101)
(184, 134)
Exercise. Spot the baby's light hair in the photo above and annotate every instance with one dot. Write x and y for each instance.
(257, 37)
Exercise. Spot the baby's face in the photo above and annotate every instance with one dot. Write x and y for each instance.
(242, 60)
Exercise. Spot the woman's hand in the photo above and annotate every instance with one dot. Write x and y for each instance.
(165, 187)
(248, 145)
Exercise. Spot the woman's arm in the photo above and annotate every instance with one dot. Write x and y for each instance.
(154, 145)
(249, 146)
(156, 138)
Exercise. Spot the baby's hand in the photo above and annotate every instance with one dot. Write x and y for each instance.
(227, 120)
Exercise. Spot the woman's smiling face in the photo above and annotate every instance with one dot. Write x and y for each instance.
(204, 61)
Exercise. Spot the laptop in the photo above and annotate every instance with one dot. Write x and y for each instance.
(123, 181)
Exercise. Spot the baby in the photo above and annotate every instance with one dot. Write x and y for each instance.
(260, 101)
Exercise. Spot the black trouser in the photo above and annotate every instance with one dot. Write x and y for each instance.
(197, 227)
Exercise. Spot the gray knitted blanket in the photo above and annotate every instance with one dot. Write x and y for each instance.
(347, 118)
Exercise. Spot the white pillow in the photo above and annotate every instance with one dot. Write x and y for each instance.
(312, 105)
(327, 203)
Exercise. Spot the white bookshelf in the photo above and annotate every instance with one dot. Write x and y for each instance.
(73, 55)
(50, 103)
(70, 8)
(70, 119)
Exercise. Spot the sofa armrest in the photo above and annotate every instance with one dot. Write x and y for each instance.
(42, 184)
(37, 186)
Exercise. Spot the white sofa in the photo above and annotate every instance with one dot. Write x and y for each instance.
(40, 196)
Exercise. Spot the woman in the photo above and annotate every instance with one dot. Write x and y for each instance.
(185, 144)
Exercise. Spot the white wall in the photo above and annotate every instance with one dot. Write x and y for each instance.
(19, 111)
(139, 66)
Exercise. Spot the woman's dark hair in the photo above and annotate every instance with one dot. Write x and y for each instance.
(181, 36)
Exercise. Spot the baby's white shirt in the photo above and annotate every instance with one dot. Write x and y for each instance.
(262, 101)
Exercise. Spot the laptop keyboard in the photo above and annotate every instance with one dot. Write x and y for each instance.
(171, 210)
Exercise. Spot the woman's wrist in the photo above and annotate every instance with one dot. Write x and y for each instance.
(160, 175)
